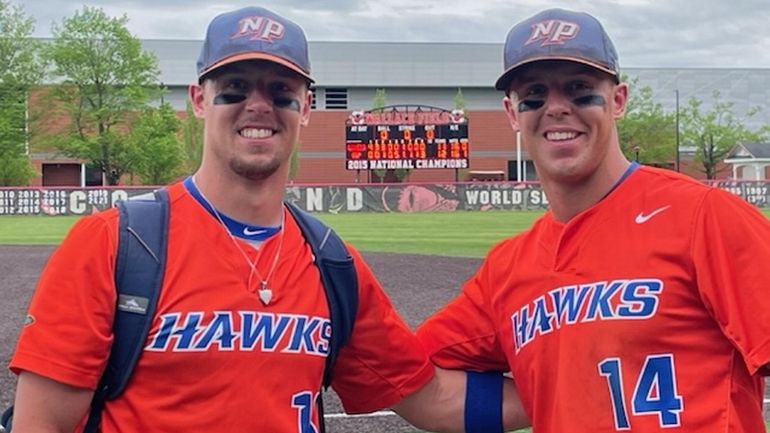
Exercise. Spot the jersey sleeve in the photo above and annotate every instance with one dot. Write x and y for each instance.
(383, 361)
(462, 335)
(68, 331)
(731, 252)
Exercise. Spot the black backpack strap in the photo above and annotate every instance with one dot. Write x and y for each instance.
(340, 281)
(6, 420)
(139, 268)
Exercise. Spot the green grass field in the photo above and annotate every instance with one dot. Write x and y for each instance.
(34, 230)
(466, 234)
(462, 234)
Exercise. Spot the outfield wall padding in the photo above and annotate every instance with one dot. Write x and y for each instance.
(479, 196)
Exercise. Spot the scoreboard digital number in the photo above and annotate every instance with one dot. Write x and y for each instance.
(407, 137)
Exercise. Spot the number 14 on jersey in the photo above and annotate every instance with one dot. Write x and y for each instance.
(655, 391)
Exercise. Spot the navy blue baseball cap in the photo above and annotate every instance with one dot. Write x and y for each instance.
(558, 34)
(254, 33)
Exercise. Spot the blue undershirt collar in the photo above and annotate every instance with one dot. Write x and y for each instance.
(238, 229)
(631, 168)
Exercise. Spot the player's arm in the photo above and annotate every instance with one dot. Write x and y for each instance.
(47, 406)
(462, 336)
(730, 252)
(440, 405)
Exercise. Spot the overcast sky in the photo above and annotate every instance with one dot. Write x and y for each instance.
(647, 33)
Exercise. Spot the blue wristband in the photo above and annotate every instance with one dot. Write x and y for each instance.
(484, 402)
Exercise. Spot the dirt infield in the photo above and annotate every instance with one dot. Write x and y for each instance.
(417, 285)
(19, 267)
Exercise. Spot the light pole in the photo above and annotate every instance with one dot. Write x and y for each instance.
(677, 130)
(519, 163)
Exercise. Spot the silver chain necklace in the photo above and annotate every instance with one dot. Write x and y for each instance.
(264, 292)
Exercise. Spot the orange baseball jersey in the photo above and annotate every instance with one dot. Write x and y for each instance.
(216, 358)
(649, 311)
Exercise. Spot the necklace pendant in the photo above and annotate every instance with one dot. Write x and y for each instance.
(265, 294)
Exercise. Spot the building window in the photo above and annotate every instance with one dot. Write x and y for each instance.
(312, 102)
(336, 99)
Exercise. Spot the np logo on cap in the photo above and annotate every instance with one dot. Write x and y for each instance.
(553, 32)
(558, 34)
(254, 33)
(259, 28)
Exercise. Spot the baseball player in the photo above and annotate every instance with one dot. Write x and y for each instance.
(639, 301)
(241, 330)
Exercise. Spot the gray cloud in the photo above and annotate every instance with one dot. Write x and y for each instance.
(675, 33)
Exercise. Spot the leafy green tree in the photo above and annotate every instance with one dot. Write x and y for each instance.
(714, 132)
(16, 171)
(153, 138)
(15, 164)
(21, 67)
(20, 62)
(764, 132)
(294, 162)
(105, 79)
(192, 139)
(459, 100)
(380, 99)
(646, 130)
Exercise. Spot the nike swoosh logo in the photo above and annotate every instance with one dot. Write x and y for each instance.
(248, 232)
(642, 218)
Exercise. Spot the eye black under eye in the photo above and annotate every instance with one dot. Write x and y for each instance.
(229, 98)
(531, 98)
(530, 105)
(287, 102)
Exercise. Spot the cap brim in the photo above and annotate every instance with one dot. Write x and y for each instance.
(256, 56)
(505, 79)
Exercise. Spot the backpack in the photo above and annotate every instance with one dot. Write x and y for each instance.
(139, 268)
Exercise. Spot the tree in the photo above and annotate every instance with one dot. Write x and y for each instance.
(153, 138)
(20, 63)
(380, 99)
(192, 139)
(106, 79)
(647, 132)
(294, 162)
(15, 164)
(714, 132)
(459, 100)
(21, 68)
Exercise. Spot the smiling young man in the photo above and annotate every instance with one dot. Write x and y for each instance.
(566, 113)
(242, 328)
(638, 302)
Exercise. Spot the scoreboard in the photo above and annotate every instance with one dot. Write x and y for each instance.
(406, 137)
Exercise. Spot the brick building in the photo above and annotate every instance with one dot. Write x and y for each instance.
(348, 74)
